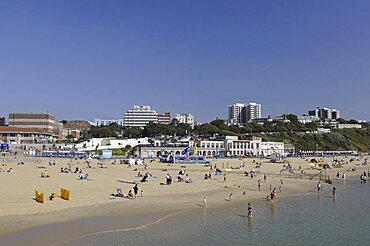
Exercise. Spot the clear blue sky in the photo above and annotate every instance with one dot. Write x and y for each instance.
(86, 59)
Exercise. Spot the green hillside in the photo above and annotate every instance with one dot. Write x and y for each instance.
(345, 139)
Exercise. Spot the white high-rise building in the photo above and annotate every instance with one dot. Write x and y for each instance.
(242, 113)
(253, 111)
(236, 115)
(140, 115)
(325, 113)
(186, 119)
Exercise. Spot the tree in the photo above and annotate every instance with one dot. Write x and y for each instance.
(2, 121)
(151, 129)
(220, 124)
(292, 117)
(174, 122)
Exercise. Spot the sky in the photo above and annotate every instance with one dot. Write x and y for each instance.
(86, 59)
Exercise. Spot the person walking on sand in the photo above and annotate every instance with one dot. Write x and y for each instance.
(250, 210)
(318, 187)
(204, 202)
(334, 191)
(230, 196)
(259, 185)
(136, 189)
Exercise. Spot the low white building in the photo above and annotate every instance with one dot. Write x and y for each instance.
(110, 143)
(236, 147)
(323, 130)
(348, 126)
(304, 119)
(268, 148)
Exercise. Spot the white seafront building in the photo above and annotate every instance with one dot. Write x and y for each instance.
(231, 146)
(109, 143)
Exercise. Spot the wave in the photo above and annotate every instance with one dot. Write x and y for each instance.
(138, 228)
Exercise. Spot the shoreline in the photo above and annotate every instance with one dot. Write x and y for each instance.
(84, 227)
(165, 202)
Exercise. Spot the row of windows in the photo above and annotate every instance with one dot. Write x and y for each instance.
(26, 135)
(241, 152)
(243, 146)
(212, 145)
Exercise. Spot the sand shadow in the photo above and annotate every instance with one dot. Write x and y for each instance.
(200, 205)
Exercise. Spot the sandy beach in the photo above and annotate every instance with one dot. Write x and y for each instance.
(92, 197)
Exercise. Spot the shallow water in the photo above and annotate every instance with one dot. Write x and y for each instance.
(302, 219)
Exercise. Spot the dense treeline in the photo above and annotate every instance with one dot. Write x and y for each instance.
(296, 133)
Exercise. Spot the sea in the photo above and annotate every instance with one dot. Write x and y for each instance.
(300, 219)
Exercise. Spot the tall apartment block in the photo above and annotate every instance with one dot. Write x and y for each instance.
(242, 113)
(236, 114)
(253, 111)
(140, 115)
(325, 113)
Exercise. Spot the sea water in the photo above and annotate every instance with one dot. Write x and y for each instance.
(301, 219)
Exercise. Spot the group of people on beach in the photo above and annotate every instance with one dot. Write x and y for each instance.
(343, 176)
(130, 194)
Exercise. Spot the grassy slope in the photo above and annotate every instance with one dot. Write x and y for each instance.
(345, 139)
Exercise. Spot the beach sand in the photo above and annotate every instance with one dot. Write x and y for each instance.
(92, 198)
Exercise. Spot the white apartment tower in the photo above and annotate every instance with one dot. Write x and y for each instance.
(242, 113)
(253, 111)
(325, 113)
(186, 119)
(236, 113)
(140, 115)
